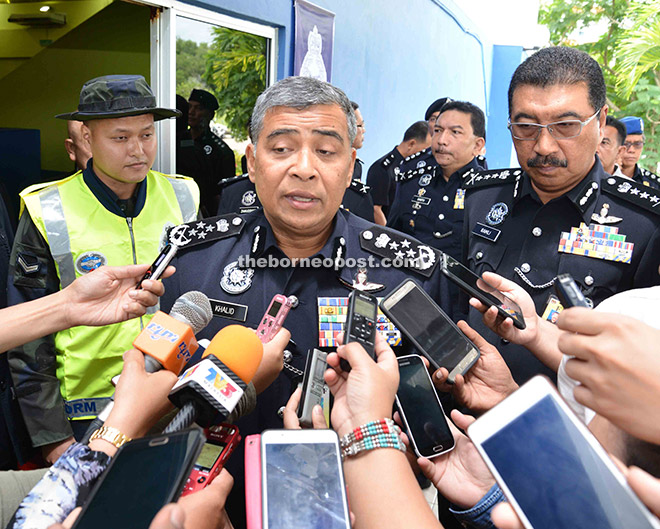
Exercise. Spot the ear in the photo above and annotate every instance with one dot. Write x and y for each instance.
(602, 118)
(68, 145)
(250, 158)
(478, 146)
(86, 133)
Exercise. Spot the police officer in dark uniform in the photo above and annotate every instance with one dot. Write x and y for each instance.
(216, 157)
(634, 146)
(301, 161)
(240, 196)
(560, 213)
(429, 200)
(381, 177)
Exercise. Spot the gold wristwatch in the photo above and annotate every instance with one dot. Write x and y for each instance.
(111, 435)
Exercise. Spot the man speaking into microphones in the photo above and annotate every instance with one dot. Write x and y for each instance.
(301, 243)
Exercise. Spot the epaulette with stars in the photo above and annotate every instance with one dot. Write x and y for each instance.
(359, 187)
(400, 249)
(206, 230)
(651, 176)
(489, 178)
(413, 173)
(233, 179)
(643, 196)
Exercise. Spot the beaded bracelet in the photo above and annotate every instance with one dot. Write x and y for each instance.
(375, 434)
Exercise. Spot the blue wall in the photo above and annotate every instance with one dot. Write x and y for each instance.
(499, 145)
(394, 58)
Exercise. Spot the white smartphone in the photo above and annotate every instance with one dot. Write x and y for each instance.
(302, 480)
(551, 468)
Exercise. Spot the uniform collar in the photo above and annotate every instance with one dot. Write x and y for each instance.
(582, 196)
(267, 242)
(468, 168)
(107, 197)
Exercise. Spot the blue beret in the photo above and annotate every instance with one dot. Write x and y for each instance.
(634, 125)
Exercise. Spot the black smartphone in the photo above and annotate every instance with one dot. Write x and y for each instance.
(421, 410)
(160, 264)
(142, 477)
(312, 386)
(431, 331)
(569, 292)
(478, 288)
(361, 323)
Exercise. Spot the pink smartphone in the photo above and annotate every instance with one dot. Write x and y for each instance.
(253, 481)
(274, 318)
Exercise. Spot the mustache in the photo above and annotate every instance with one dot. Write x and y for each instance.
(552, 161)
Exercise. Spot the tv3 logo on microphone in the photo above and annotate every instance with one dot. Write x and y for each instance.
(158, 332)
(214, 380)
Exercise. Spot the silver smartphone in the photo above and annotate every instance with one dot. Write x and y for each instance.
(302, 480)
(551, 468)
(431, 331)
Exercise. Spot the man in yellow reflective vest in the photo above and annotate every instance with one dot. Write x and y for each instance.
(113, 212)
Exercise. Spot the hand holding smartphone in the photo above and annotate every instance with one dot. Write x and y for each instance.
(551, 468)
(151, 469)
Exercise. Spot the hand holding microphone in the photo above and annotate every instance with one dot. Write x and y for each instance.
(208, 392)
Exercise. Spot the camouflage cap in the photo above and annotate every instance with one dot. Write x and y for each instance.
(117, 96)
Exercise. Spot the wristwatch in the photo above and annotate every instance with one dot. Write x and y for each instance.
(111, 435)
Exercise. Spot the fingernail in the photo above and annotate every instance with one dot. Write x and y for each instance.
(132, 293)
(177, 517)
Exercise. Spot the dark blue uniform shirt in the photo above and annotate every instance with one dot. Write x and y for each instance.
(207, 267)
(381, 179)
(430, 208)
(646, 177)
(509, 230)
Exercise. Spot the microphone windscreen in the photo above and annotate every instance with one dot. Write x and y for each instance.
(194, 309)
(239, 349)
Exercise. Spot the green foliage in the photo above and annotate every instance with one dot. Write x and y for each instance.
(236, 74)
(628, 51)
(190, 65)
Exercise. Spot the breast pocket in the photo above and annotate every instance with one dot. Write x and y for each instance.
(598, 278)
(484, 256)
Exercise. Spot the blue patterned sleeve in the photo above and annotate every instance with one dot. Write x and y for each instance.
(64, 487)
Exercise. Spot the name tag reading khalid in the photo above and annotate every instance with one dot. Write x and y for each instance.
(231, 311)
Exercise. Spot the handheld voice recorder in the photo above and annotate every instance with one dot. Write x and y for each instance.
(312, 386)
(361, 323)
(274, 317)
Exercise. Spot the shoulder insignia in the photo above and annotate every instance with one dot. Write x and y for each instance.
(359, 187)
(488, 178)
(388, 160)
(403, 251)
(233, 179)
(206, 230)
(417, 154)
(643, 196)
(413, 173)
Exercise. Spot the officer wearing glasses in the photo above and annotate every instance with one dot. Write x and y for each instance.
(634, 145)
(560, 212)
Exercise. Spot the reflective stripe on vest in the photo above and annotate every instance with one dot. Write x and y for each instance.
(58, 233)
(185, 199)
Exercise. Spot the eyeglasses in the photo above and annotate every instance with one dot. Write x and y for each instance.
(560, 130)
(634, 144)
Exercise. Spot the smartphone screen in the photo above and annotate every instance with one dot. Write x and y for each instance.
(421, 410)
(486, 293)
(557, 477)
(424, 322)
(303, 484)
(144, 475)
